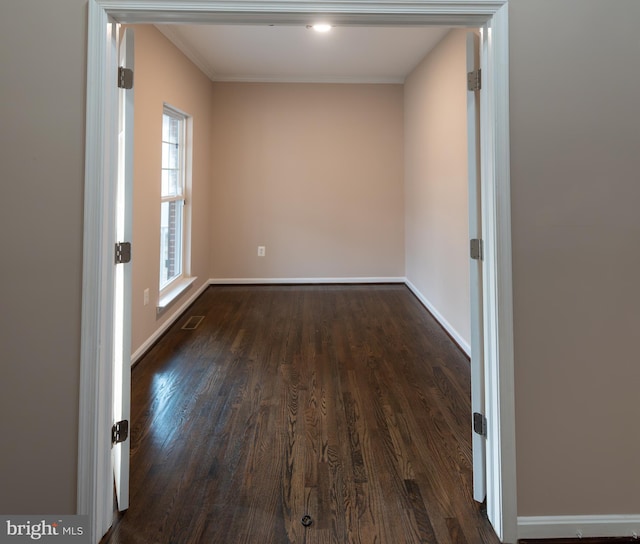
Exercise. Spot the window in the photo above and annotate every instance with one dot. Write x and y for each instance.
(173, 225)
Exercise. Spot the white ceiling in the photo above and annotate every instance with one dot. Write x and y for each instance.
(294, 53)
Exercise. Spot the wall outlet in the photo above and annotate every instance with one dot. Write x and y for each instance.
(146, 296)
(262, 251)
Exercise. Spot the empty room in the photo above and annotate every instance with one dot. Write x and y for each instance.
(298, 221)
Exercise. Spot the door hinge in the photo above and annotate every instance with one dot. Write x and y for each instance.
(125, 78)
(476, 249)
(119, 432)
(474, 80)
(479, 424)
(123, 252)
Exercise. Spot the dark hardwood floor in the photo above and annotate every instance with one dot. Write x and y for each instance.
(347, 404)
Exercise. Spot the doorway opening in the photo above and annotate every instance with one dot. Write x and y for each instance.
(94, 463)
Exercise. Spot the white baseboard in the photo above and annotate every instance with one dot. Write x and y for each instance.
(163, 328)
(464, 345)
(578, 526)
(255, 281)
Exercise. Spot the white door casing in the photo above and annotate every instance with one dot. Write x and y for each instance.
(94, 465)
(497, 278)
(95, 470)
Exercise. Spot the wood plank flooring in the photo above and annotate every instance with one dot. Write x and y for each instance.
(348, 404)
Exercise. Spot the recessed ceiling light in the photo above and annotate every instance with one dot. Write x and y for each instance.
(320, 27)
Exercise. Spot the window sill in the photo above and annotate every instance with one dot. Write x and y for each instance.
(171, 294)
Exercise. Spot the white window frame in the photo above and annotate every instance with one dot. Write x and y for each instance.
(171, 289)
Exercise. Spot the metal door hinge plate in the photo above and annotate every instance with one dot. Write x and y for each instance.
(479, 424)
(123, 252)
(474, 80)
(476, 249)
(125, 78)
(119, 432)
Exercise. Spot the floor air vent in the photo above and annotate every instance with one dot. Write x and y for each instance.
(193, 322)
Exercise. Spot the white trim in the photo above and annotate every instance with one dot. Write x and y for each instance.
(579, 526)
(172, 291)
(136, 355)
(257, 281)
(96, 352)
(457, 337)
(93, 486)
(497, 279)
(361, 12)
(174, 285)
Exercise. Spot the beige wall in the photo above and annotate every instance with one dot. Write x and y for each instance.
(576, 228)
(164, 75)
(42, 85)
(312, 172)
(574, 153)
(436, 185)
